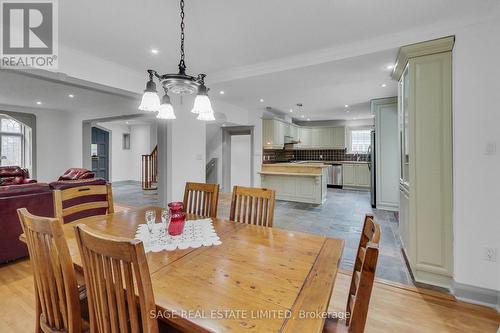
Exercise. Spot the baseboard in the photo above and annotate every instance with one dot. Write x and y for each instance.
(391, 208)
(127, 182)
(477, 295)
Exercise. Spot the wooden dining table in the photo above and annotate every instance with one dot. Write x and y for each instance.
(258, 280)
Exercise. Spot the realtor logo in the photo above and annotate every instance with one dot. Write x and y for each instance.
(29, 34)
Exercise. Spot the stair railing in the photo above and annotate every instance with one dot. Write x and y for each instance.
(150, 170)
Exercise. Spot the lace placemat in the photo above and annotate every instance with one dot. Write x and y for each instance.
(196, 233)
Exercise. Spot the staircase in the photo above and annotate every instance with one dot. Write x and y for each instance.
(150, 170)
(211, 171)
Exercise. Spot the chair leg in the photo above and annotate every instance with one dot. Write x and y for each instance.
(38, 313)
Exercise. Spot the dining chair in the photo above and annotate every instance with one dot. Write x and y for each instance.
(252, 206)
(59, 301)
(74, 203)
(115, 268)
(201, 199)
(362, 280)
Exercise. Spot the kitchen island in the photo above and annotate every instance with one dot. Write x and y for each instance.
(296, 182)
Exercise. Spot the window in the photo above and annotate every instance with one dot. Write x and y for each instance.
(360, 140)
(15, 143)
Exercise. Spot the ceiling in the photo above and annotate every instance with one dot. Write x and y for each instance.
(25, 91)
(323, 90)
(224, 37)
(223, 34)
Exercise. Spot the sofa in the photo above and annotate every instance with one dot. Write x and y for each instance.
(14, 175)
(37, 198)
(77, 173)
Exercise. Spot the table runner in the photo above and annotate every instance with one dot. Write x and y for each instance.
(196, 233)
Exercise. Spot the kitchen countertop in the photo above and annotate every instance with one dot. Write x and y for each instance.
(277, 173)
(329, 162)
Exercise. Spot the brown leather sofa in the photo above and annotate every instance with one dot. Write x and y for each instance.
(77, 173)
(37, 198)
(14, 175)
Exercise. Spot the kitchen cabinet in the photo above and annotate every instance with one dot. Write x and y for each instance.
(387, 154)
(348, 175)
(294, 132)
(356, 175)
(424, 72)
(275, 130)
(338, 137)
(305, 137)
(273, 133)
(362, 173)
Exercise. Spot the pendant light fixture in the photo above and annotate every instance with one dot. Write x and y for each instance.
(180, 84)
(165, 111)
(150, 100)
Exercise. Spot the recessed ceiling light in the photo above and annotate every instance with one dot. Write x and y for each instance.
(223, 125)
(126, 122)
(347, 111)
(71, 96)
(346, 106)
(155, 51)
(261, 100)
(389, 67)
(308, 119)
(291, 110)
(222, 92)
(39, 103)
(383, 85)
(302, 116)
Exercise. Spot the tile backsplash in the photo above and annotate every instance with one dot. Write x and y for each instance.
(280, 155)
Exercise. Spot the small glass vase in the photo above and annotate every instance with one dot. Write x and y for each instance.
(177, 218)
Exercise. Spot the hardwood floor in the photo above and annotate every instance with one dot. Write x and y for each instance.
(393, 307)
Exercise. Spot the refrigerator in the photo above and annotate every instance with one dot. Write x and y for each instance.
(373, 169)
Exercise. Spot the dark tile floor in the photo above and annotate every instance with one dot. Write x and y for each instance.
(341, 216)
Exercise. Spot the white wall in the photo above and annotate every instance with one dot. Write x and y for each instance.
(182, 146)
(214, 146)
(476, 120)
(140, 143)
(126, 164)
(226, 114)
(58, 140)
(240, 160)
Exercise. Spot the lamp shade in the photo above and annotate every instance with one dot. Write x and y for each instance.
(166, 111)
(150, 102)
(202, 104)
(206, 116)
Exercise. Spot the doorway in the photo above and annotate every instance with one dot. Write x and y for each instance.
(241, 173)
(237, 157)
(100, 152)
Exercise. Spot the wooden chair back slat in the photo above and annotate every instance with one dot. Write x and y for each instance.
(201, 199)
(252, 206)
(56, 289)
(120, 294)
(61, 196)
(363, 276)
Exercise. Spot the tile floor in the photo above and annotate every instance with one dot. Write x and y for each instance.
(340, 216)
